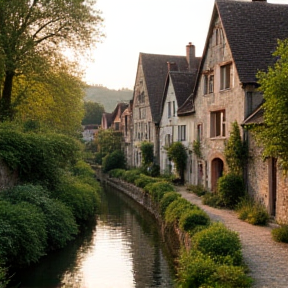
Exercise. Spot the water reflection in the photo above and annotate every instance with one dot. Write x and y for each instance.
(123, 250)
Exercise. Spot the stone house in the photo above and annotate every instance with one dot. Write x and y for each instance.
(178, 88)
(113, 120)
(150, 81)
(239, 42)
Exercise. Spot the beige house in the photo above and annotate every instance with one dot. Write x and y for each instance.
(150, 82)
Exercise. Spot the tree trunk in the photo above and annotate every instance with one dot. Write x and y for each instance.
(6, 107)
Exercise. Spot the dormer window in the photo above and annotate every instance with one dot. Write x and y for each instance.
(225, 76)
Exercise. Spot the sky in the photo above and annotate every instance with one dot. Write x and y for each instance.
(149, 26)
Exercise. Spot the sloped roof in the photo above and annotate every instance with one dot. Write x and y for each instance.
(257, 117)
(187, 107)
(120, 106)
(155, 71)
(252, 30)
(108, 117)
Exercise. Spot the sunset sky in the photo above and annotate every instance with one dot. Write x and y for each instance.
(149, 26)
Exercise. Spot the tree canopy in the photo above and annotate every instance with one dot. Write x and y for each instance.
(33, 30)
(274, 84)
(93, 113)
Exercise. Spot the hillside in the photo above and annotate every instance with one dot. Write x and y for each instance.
(108, 98)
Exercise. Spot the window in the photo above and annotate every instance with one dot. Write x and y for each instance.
(181, 132)
(217, 124)
(174, 109)
(225, 77)
(169, 109)
(211, 84)
(117, 126)
(142, 113)
(205, 84)
(199, 132)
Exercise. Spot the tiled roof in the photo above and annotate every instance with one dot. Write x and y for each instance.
(257, 117)
(187, 107)
(183, 84)
(155, 70)
(252, 30)
(122, 106)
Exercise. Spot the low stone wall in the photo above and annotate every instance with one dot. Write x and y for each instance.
(173, 236)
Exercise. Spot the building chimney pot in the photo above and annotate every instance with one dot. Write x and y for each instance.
(191, 58)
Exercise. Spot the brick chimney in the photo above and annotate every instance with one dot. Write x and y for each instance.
(190, 55)
(172, 66)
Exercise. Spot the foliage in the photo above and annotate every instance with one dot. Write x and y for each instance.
(114, 160)
(252, 212)
(193, 218)
(131, 175)
(37, 157)
(220, 243)
(213, 200)
(177, 153)
(81, 168)
(117, 173)
(3, 276)
(273, 83)
(98, 157)
(108, 140)
(147, 153)
(197, 148)
(152, 170)
(199, 190)
(236, 151)
(54, 100)
(93, 113)
(59, 221)
(230, 188)
(158, 189)
(175, 210)
(166, 200)
(144, 180)
(22, 233)
(280, 234)
(33, 30)
(81, 197)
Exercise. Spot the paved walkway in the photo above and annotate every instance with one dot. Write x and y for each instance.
(267, 260)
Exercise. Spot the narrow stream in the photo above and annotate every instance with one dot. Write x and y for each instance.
(124, 249)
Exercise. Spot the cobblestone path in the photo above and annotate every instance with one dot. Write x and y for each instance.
(267, 260)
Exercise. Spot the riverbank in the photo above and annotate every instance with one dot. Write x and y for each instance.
(266, 259)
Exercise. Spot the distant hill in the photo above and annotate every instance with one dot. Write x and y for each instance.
(108, 98)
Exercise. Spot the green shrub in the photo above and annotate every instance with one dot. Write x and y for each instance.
(194, 269)
(229, 276)
(98, 157)
(193, 218)
(59, 220)
(199, 190)
(219, 243)
(3, 277)
(82, 168)
(143, 180)
(168, 198)
(82, 198)
(158, 189)
(252, 212)
(231, 189)
(280, 234)
(117, 173)
(175, 209)
(113, 160)
(131, 175)
(212, 199)
(22, 233)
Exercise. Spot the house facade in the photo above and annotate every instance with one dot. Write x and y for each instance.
(150, 82)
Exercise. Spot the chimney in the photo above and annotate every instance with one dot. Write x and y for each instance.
(172, 66)
(190, 55)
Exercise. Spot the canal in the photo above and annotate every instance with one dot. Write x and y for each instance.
(122, 249)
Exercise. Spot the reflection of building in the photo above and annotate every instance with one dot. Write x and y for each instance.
(89, 132)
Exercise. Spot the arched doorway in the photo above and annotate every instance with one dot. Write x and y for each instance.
(217, 166)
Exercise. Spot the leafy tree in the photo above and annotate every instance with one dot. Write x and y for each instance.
(93, 113)
(274, 85)
(177, 153)
(33, 30)
(236, 151)
(53, 99)
(108, 140)
(147, 153)
(114, 160)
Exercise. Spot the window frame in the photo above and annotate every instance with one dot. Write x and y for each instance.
(218, 124)
(181, 133)
(225, 76)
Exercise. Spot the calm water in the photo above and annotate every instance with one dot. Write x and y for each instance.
(123, 250)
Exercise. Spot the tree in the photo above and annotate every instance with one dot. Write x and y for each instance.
(177, 153)
(53, 99)
(274, 85)
(236, 151)
(32, 30)
(147, 153)
(108, 141)
(93, 113)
